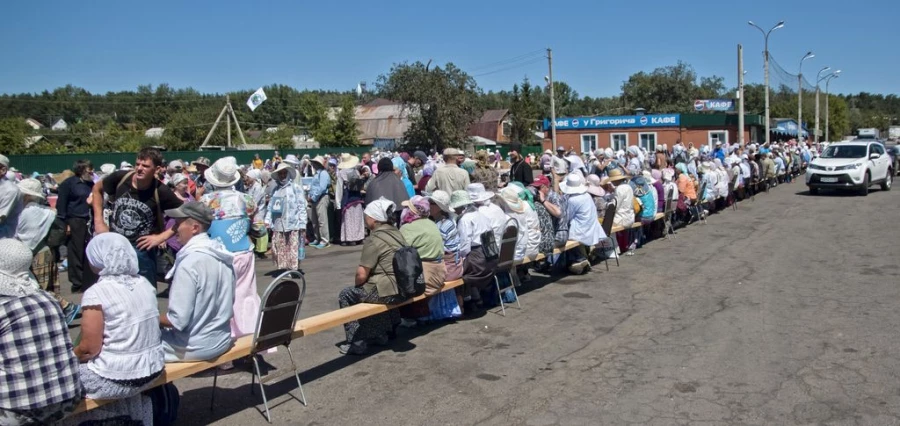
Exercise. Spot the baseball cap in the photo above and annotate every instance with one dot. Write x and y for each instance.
(192, 210)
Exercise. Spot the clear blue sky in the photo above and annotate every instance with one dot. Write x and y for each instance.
(216, 46)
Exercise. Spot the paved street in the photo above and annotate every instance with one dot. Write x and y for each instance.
(782, 312)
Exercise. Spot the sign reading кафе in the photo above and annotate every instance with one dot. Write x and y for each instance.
(714, 105)
(616, 122)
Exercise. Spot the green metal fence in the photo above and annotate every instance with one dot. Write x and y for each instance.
(56, 163)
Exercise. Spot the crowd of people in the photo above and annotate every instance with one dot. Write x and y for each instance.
(201, 227)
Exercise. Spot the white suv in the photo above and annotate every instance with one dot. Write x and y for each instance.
(851, 165)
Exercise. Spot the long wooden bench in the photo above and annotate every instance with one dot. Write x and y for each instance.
(637, 224)
(303, 327)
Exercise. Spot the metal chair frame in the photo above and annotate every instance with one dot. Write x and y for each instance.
(609, 216)
(280, 337)
(668, 211)
(506, 263)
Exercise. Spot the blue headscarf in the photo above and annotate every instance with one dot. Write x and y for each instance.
(399, 164)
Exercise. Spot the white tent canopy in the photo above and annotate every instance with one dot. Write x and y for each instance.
(480, 141)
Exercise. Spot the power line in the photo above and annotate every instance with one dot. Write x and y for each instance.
(507, 61)
(511, 67)
(108, 102)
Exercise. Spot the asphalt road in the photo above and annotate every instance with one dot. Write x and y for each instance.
(782, 312)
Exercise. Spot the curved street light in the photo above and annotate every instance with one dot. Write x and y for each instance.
(809, 55)
(818, 79)
(766, 34)
(828, 79)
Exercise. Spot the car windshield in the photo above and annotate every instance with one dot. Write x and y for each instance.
(845, 151)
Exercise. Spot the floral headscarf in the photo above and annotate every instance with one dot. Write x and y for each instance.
(418, 208)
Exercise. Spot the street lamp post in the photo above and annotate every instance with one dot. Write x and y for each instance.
(818, 82)
(828, 79)
(800, 97)
(766, 68)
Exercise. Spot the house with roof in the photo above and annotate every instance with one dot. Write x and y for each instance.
(154, 132)
(494, 125)
(382, 123)
(34, 124)
(60, 125)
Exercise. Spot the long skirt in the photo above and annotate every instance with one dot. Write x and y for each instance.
(371, 327)
(352, 226)
(246, 298)
(99, 387)
(478, 272)
(284, 248)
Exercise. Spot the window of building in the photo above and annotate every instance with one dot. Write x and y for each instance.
(648, 141)
(618, 141)
(588, 143)
(507, 128)
(717, 136)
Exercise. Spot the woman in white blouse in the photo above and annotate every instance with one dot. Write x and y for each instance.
(120, 347)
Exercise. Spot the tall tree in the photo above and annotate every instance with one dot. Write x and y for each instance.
(346, 133)
(523, 113)
(13, 132)
(443, 102)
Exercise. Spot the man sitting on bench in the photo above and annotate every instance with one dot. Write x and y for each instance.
(197, 323)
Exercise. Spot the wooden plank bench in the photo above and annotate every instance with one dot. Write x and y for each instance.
(638, 224)
(303, 327)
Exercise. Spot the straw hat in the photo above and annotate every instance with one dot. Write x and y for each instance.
(320, 160)
(648, 177)
(573, 185)
(477, 193)
(223, 173)
(292, 160)
(441, 198)
(459, 198)
(31, 187)
(614, 175)
(200, 161)
(510, 196)
(348, 161)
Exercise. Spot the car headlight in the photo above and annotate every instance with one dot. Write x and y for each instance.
(849, 167)
(816, 167)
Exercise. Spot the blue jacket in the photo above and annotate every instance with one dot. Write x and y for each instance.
(319, 186)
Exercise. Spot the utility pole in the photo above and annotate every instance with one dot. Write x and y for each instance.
(228, 121)
(766, 70)
(552, 98)
(800, 97)
(740, 95)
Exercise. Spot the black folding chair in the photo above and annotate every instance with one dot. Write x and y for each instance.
(278, 312)
(506, 263)
(697, 205)
(609, 216)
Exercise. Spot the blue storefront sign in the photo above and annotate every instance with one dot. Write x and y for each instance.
(616, 122)
(714, 105)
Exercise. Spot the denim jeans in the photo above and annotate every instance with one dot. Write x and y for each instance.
(147, 264)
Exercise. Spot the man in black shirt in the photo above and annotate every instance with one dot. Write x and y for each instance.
(519, 171)
(138, 200)
(73, 209)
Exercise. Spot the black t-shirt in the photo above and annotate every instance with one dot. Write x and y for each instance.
(134, 213)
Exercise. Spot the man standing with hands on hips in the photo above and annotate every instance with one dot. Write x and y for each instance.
(138, 200)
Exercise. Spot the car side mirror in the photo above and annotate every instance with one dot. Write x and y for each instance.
(874, 156)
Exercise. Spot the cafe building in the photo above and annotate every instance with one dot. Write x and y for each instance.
(585, 134)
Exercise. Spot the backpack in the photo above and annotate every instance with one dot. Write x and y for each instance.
(56, 236)
(166, 400)
(407, 270)
(127, 178)
(489, 245)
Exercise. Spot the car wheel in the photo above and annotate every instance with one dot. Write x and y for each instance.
(864, 190)
(888, 181)
(813, 191)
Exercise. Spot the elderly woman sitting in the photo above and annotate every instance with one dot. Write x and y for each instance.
(375, 281)
(584, 226)
(38, 371)
(423, 234)
(120, 347)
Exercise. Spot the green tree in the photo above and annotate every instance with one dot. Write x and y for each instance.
(13, 132)
(281, 139)
(443, 102)
(669, 89)
(524, 113)
(346, 133)
(315, 117)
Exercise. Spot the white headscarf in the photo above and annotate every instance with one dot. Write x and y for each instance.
(115, 259)
(15, 275)
(381, 210)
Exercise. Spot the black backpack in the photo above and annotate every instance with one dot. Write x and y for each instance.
(489, 245)
(408, 270)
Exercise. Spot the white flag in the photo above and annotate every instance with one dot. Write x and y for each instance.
(256, 99)
(359, 89)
